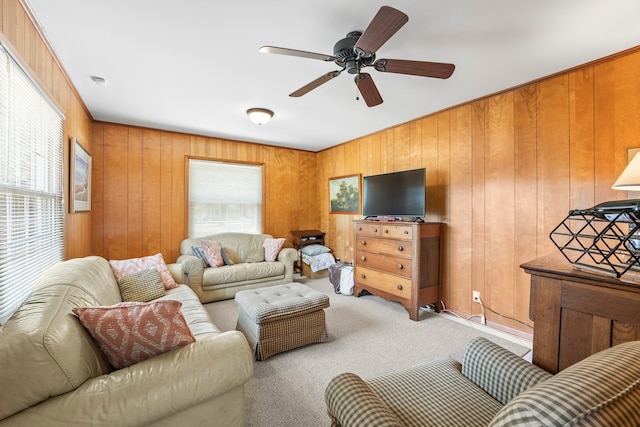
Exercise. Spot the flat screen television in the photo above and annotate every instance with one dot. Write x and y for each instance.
(395, 194)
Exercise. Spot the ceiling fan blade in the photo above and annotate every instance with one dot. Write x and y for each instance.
(314, 84)
(438, 70)
(294, 52)
(384, 25)
(368, 89)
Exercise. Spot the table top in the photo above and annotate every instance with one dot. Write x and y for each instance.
(555, 264)
(307, 233)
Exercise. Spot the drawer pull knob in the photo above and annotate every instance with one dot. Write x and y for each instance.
(364, 276)
(400, 266)
(375, 231)
(406, 231)
(386, 231)
(364, 258)
(399, 287)
(364, 242)
(400, 248)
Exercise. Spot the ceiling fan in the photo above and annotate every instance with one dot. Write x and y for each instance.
(358, 50)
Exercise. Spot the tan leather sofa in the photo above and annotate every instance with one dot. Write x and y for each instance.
(248, 271)
(53, 373)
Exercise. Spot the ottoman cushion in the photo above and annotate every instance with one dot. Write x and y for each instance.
(279, 318)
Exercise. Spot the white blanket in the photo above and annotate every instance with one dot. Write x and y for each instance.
(318, 262)
(346, 281)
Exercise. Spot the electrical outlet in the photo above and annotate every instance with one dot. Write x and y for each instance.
(476, 297)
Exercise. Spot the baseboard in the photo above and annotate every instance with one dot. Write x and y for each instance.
(513, 335)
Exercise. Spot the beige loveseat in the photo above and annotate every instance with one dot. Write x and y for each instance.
(248, 270)
(53, 373)
(494, 387)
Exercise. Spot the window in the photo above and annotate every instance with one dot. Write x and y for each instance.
(31, 196)
(224, 197)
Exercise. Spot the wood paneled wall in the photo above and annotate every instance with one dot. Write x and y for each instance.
(502, 172)
(139, 204)
(23, 37)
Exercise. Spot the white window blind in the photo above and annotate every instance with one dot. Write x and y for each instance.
(224, 197)
(31, 196)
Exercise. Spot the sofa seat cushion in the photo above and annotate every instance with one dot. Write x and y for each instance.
(601, 390)
(223, 275)
(241, 273)
(264, 269)
(194, 313)
(453, 400)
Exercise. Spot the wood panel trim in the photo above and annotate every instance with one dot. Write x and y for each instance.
(586, 299)
(546, 346)
(576, 329)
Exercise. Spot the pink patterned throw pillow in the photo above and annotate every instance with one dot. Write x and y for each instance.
(213, 252)
(272, 248)
(125, 267)
(131, 332)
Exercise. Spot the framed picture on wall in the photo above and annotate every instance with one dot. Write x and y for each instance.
(79, 178)
(344, 194)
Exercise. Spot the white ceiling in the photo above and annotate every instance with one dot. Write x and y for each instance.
(193, 65)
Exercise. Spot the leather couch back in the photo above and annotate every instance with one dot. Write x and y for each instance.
(239, 247)
(44, 349)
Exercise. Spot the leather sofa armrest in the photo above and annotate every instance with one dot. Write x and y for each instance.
(193, 270)
(151, 390)
(288, 256)
(498, 371)
(177, 272)
(352, 403)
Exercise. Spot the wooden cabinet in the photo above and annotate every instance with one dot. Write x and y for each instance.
(577, 313)
(399, 261)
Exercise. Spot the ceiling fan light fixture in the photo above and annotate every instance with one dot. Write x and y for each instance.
(259, 116)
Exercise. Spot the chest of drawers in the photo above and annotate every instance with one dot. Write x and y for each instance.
(399, 261)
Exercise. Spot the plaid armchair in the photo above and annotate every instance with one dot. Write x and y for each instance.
(493, 387)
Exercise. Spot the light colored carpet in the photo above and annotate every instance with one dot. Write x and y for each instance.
(368, 336)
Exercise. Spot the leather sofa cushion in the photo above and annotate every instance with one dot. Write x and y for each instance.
(241, 272)
(195, 314)
(265, 269)
(225, 274)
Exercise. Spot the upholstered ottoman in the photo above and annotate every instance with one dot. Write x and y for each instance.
(279, 318)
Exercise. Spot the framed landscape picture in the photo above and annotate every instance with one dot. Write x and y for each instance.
(80, 178)
(344, 194)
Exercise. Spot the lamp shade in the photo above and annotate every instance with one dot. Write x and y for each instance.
(259, 116)
(629, 180)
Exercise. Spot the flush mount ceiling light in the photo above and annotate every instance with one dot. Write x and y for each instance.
(259, 116)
